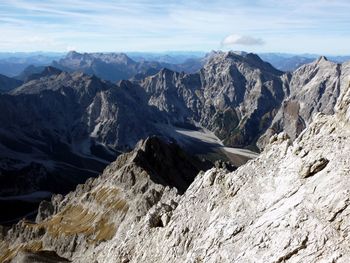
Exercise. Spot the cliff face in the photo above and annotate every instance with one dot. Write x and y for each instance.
(235, 96)
(289, 204)
(313, 88)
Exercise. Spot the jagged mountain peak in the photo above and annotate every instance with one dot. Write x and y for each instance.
(322, 58)
(162, 78)
(73, 54)
(240, 58)
(314, 87)
(322, 63)
(166, 71)
(50, 70)
(36, 72)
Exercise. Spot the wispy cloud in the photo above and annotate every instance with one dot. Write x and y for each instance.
(124, 25)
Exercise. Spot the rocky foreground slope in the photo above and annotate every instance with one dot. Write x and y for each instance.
(291, 204)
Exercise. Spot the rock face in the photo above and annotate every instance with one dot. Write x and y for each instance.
(235, 96)
(313, 88)
(244, 100)
(289, 204)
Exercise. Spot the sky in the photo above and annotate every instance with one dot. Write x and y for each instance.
(293, 26)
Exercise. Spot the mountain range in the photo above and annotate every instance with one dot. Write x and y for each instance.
(13, 64)
(289, 204)
(63, 124)
(74, 122)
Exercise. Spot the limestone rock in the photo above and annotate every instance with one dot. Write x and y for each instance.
(314, 167)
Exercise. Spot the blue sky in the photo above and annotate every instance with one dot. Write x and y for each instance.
(302, 26)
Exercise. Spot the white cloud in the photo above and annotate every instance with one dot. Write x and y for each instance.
(233, 40)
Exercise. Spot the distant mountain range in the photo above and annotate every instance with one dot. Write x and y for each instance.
(290, 62)
(119, 66)
(112, 66)
(12, 64)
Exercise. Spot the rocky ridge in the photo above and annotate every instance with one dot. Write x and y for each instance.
(150, 178)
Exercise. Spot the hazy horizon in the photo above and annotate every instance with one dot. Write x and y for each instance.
(168, 52)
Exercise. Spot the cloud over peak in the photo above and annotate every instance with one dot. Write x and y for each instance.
(232, 40)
